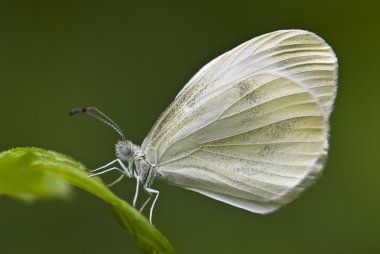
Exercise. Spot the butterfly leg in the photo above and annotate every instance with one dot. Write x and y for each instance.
(137, 190)
(144, 205)
(103, 167)
(151, 191)
(107, 170)
(124, 172)
(127, 171)
(122, 175)
(116, 181)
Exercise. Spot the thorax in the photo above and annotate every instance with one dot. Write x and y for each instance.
(138, 165)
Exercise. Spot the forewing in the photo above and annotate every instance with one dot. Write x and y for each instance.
(250, 128)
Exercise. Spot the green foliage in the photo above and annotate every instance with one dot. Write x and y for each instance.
(31, 173)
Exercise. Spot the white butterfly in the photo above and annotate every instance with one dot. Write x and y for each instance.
(249, 129)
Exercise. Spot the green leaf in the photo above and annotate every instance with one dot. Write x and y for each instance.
(31, 173)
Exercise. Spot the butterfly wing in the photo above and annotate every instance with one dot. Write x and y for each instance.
(250, 128)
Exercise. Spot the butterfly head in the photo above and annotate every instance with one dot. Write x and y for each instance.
(126, 150)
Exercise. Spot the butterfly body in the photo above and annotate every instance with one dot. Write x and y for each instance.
(249, 129)
(138, 166)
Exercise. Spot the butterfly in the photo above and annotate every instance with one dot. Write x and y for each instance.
(249, 129)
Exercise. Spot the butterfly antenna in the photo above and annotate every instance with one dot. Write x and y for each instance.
(99, 115)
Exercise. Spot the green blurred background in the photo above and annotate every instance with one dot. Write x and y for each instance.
(130, 59)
